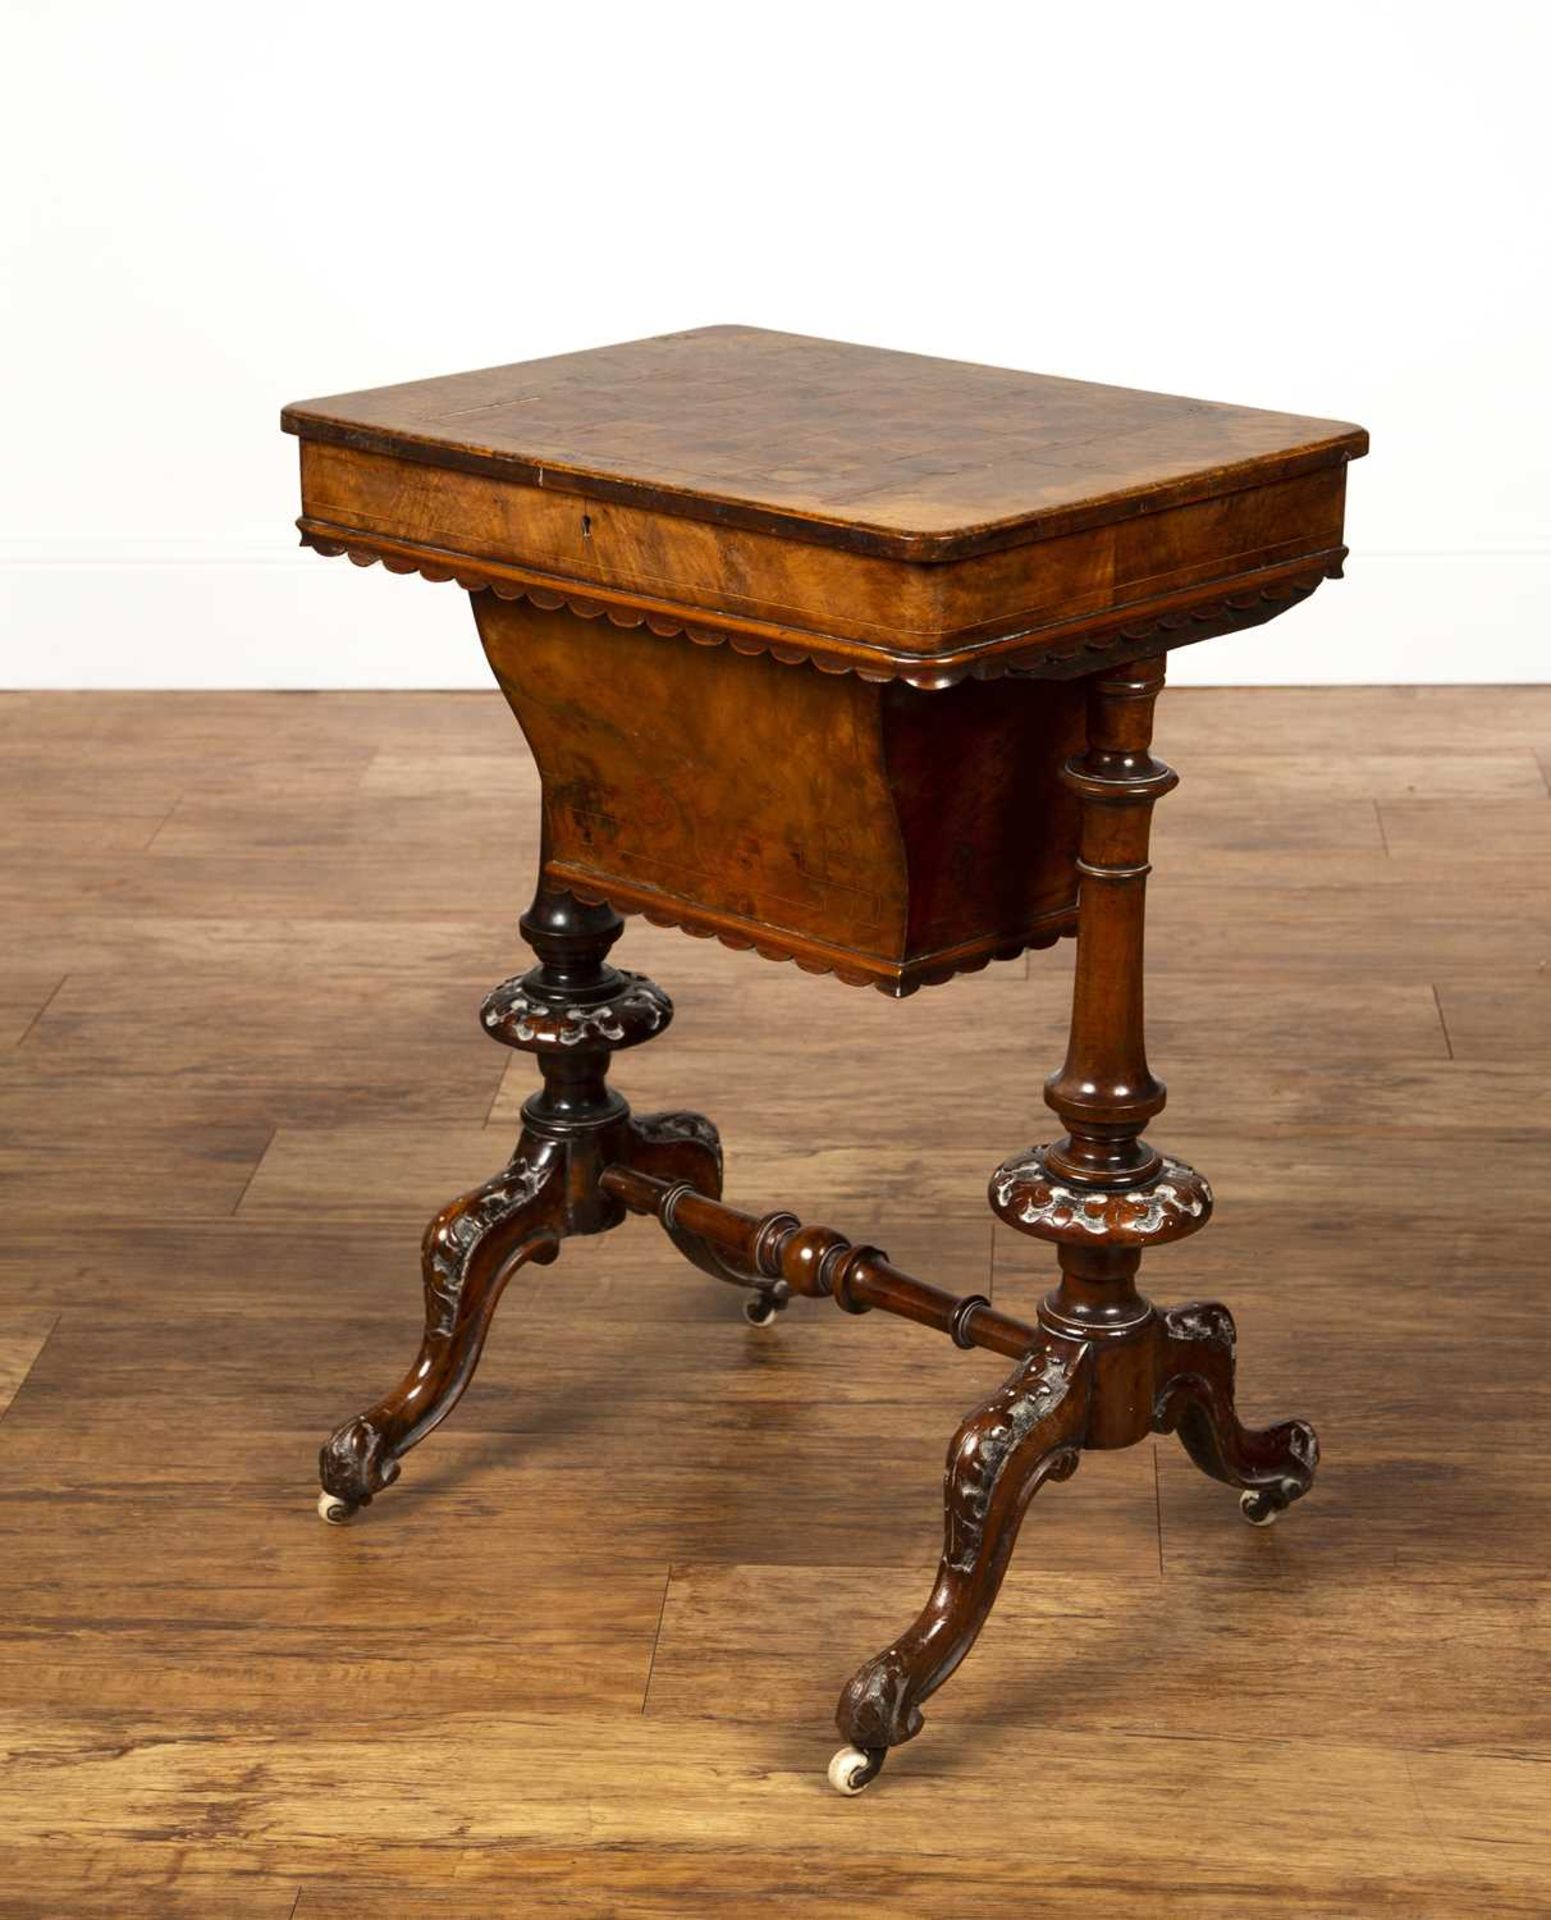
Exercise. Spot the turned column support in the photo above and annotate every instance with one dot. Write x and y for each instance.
(572, 1012)
(1102, 1192)
(1105, 1093)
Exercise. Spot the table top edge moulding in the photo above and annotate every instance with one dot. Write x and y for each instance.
(440, 420)
(1087, 533)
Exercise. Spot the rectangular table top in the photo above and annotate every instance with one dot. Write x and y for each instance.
(856, 447)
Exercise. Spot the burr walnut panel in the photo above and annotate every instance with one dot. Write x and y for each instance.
(869, 829)
(353, 497)
(873, 451)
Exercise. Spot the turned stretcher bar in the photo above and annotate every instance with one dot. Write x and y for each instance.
(778, 1256)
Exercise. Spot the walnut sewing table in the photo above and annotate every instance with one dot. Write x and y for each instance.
(848, 657)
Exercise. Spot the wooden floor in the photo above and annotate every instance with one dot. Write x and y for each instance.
(583, 1659)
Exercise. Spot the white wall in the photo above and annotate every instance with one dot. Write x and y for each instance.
(1338, 209)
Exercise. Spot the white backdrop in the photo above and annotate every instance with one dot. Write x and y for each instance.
(1337, 209)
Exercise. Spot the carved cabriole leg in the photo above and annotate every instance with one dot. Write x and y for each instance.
(471, 1249)
(1030, 1431)
(1272, 1465)
(573, 1010)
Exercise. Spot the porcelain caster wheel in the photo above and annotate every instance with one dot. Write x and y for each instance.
(1261, 1509)
(854, 1768)
(337, 1512)
(760, 1309)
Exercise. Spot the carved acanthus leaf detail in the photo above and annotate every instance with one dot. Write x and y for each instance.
(520, 1017)
(355, 1463)
(660, 1128)
(988, 1442)
(877, 1708)
(1027, 1195)
(1200, 1321)
(682, 1148)
(1303, 1445)
(454, 1242)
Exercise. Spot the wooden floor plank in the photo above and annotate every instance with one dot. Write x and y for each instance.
(1357, 720)
(22, 1336)
(310, 1051)
(74, 1158)
(1389, 773)
(1490, 834)
(1198, 1656)
(23, 996)
(580, 1781)
(1506, 1017)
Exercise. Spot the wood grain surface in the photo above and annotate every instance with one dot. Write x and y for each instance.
(583, 1660)
(872, 512)
(881, 451)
